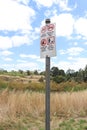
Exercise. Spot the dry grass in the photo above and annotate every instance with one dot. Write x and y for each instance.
(25, 105)
(69, 104)
(33, 103)
(22, 103)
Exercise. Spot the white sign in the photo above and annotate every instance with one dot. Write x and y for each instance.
(47, 41)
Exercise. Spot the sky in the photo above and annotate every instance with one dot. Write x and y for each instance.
(20, 25)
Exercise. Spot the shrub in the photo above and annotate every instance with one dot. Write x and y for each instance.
(59, 79)
(3, 84)
(41, 79)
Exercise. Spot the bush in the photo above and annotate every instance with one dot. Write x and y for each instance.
(59, 79)
(41, 79)
(3, 84)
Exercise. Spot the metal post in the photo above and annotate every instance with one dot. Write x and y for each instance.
(47, 93)
(47, 98)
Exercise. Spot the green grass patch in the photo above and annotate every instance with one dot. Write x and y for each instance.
(32, 124)
(73, 124)
(3, 84)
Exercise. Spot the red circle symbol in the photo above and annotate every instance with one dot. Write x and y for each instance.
(43, 42)
(43, 29)
(50, 27)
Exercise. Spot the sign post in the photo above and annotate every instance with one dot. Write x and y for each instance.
(47, 50)
(47, 98)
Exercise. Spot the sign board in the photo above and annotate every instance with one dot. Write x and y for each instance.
(47, 41)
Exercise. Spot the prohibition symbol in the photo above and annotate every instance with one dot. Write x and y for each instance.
(50, 27)
(43, 42)
(43, 30)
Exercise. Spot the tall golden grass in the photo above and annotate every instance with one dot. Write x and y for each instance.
(69, 104)
(18, 103)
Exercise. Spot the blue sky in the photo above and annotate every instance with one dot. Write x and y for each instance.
(20, 23)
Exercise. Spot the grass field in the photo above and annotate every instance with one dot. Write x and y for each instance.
(25, 110)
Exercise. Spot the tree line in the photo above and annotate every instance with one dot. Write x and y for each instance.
(56, 74)
(59, 75)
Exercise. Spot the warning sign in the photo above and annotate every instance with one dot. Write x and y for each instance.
(43, 29)
(43, 42)
(50, 27)
(47, 41)
(51, 40)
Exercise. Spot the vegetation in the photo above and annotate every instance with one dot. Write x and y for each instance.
(21, 110)
(60, 76)
(35, 83)
(60, 81)
(57, 75)
(73, 124)
(22, 100)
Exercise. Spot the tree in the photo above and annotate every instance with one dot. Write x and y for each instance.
(61, 72)
(70, 74)
(59, 79)
(42, 73)
(85, 71)
(70, 71)
(54, 71)
(28, 72)
(36, 72)
(80, 75)
(21, 71)
(85, 74)
(2, 71)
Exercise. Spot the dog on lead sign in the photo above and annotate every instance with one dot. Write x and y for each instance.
(51, 40)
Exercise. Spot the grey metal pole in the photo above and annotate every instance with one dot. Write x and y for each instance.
(47, 98)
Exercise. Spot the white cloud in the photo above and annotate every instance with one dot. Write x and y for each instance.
(85, 43)
(70, 58)
(20, 40)
(5, 42)
(21, 61)
(62, 52)
(6, 53)
(29, 56)
(47, 3)
(80, 26)
(64, 24)
(37, 30)
(15, 16)
(27, 66)
(32, 56)
(75, 43)
(74, 63)
(7, 59)
(63, 4)
(23, 66)
(41, 60)
(14, 41)
(73, 51)
(49, 12)
(25, 2)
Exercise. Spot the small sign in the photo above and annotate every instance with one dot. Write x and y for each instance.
(47, 41)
